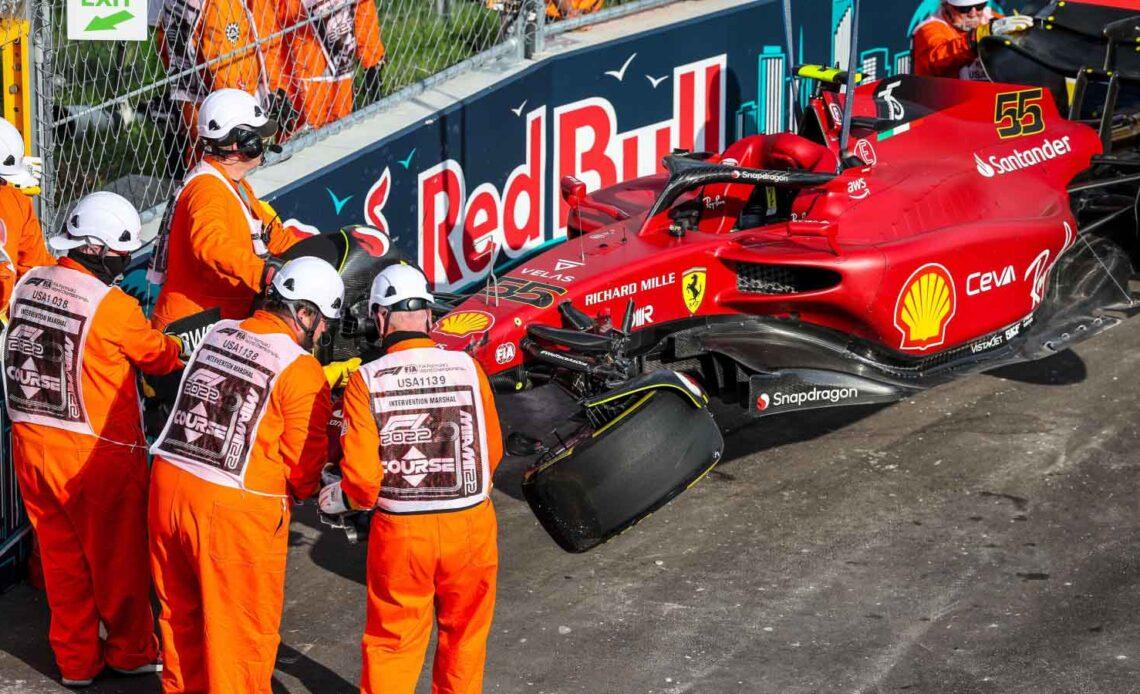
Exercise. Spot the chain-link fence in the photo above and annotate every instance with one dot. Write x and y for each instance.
(121, 115)
(15, 542)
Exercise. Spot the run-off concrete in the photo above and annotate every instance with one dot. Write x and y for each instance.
(982, 537)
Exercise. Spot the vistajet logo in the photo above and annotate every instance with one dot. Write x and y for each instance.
(1021, 159)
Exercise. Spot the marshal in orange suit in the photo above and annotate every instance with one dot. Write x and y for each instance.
(214, 249)
(247, 433)
(432, 547)
(946, 43)
(323, 54)
(71, 351)
(20, 233)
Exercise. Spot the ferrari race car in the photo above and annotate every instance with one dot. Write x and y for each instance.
(933, 229)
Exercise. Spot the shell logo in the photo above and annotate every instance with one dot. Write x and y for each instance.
(925, 307)
(464, 323)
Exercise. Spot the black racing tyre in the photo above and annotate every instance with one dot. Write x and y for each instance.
(615, 476)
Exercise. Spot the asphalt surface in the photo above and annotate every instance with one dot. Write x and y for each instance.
(982, 537)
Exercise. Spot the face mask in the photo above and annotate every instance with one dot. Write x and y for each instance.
(107, 267)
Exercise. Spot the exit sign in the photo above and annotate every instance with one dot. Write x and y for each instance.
(106, 20)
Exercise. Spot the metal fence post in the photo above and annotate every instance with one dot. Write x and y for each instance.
(532, 12)
(42, 87)
(443, 8)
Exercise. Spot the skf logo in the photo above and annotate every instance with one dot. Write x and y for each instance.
(464, 323)
(405, 429)
(203, 384)
(1017, 114)
(925, 307)
(415, 466)
(693, 287)
(26, 340)
(31, 381)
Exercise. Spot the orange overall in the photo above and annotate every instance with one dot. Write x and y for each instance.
(554, 8)
(211, 261)
(322, 63)
(86, 493)
(943, 50)
(22, 238)
(218, 552)
(421, 562)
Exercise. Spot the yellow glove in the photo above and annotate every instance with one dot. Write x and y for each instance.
(338, 372)
(148, 389)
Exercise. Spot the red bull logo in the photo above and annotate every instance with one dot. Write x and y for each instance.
(462, 227)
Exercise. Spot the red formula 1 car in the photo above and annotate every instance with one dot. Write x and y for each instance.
(964, 225)
(970, 225)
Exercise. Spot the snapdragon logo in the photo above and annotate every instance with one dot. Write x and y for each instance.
(831, 395)
(1023, 158)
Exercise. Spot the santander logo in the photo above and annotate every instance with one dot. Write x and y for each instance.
(1021, 159)
(984, 168)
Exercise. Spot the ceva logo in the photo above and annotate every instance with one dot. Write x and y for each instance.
(462, 228)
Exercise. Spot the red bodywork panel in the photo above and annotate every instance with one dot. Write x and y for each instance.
(947, 234)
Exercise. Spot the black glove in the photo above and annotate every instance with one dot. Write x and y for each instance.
(282, 110)
(373, 84)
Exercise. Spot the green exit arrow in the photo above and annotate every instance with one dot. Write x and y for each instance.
(109, 22)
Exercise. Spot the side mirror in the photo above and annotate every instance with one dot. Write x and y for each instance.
(573, 190)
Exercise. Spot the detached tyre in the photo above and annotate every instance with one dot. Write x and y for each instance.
(657, 445)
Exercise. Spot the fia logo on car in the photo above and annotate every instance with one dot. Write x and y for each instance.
(505, 353)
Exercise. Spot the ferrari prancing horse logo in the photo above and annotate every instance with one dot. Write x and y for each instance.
(693, 288)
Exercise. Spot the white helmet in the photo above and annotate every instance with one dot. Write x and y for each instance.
(965, 3)
(12, 166)
(313, 280)
(101, 219)
(226, 109)
(400, 287)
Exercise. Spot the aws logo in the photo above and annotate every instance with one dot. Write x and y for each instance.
(925, 307)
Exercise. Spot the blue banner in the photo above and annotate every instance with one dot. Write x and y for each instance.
(481, 177)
